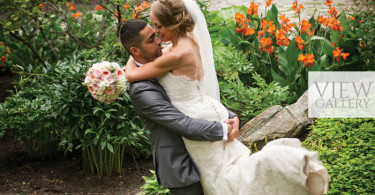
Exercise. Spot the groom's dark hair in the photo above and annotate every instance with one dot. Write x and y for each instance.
(130, 33)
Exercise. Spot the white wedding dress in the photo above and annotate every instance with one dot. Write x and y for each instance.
(281, 167)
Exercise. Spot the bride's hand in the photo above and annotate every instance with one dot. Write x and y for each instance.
(129, 67)
(234, 123)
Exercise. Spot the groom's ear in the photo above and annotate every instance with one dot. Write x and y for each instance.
(135, 51)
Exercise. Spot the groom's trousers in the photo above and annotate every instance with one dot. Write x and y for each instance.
(193, 189)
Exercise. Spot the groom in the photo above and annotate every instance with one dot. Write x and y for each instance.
(173, 166)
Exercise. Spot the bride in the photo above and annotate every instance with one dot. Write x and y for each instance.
(186, 71)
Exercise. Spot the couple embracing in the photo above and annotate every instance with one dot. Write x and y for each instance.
(175, 92)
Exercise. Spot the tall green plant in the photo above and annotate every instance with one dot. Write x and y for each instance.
(284, 52)
(103, 130)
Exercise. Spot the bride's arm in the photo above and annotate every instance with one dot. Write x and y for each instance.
(150, 70)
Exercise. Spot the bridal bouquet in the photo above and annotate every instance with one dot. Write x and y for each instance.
(105, 81)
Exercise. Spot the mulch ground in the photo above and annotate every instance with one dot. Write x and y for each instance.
(62, 174)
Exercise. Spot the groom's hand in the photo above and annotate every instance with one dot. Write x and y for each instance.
(233, 131)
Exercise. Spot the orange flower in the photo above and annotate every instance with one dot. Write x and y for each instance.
(260, 33)
(145, 4)
(271, 28)
(67, 4)
(72, 8)
(332, 45)
(3, 59)
(337, 53)
(332, 11)
(284, 19)
(126, 6)
(297, 7)
(322, 20)
(269, 2)
(249, 32)
(1, 43)
(76, 15)
(328, 3)
(281, 38)
(351, 18)
(265, 44)
(239, 17)
(98, 7)
(345, 55)
(300, 42)
(306, 59)
(253, 9)
(42, 6)
(305, 26)
(333, 24)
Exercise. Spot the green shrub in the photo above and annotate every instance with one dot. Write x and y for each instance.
(30, 121)
(346, 147)
(57, 105)
(100, 128)
(152, 186)
(242, 90)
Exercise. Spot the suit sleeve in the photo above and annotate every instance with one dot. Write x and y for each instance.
(151, 104)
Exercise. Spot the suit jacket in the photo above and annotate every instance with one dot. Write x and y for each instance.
(173, 165)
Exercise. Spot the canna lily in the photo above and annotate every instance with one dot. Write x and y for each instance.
(126, 6)
(42, 6)
(351, 18)
(284, 19)
(333, 24)
(297, 7)
(337, 53)
(306, 59)
(345, 55)
(145, 4)
(72, 8)
(3, 59)
(268, 2)
(98, 7)
(253, 9)
(239, 17)
(328, 3)
(300, 42)
(332, 11)
(77, 14)
(281, 39)
(322, 20)
(305, 26)
(265, 44)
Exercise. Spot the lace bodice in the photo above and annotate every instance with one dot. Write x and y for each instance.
(190, 97)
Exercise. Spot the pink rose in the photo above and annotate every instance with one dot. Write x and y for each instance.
(95, 86)
(106, 72)
(110, 90)
(110, 79)
(97, 73)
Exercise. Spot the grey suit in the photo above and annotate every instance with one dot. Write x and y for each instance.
(173, 166)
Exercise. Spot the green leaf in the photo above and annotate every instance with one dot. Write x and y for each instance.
(110, 147)
(278, 78)
(102, 145)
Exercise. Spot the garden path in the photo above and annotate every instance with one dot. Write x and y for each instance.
(284, 6)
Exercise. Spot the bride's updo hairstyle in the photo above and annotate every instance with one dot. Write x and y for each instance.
(173, 15)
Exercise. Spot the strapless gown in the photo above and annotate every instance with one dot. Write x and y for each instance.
(281, 167)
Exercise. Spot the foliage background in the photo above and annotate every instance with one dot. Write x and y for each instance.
(48, 46)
